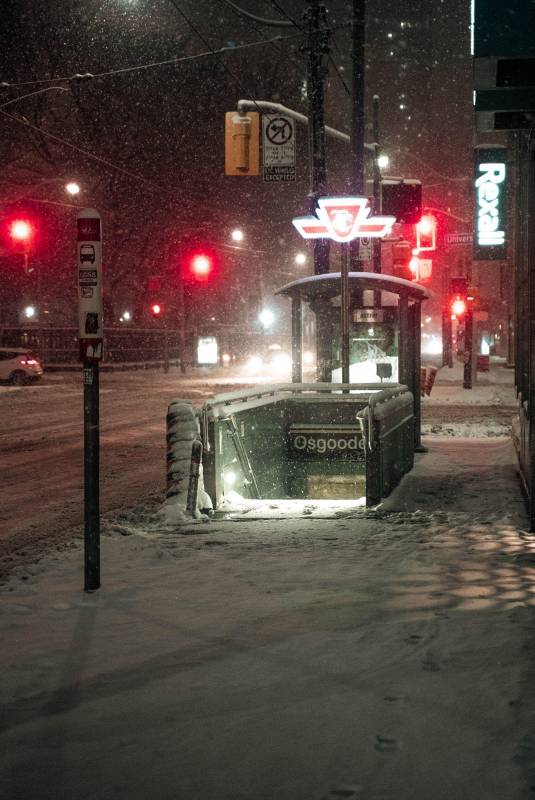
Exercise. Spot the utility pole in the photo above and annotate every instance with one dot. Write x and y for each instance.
(358, 30)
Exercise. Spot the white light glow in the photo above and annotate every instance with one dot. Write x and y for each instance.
(266, 317)
(300, 259)
(237, 235)
(72, 188)
(225, 358)
(29, 312)
(127, 316)
(383, 161)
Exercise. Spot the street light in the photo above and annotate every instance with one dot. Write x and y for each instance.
(383, 162)
(237, 235)
(29, 312)
(300, 259)
(72, 188)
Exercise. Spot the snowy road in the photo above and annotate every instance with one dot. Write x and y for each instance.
(41, 445)
(41, 451)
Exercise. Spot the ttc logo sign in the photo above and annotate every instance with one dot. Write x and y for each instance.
(343, 219)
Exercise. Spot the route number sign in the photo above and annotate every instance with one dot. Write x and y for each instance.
(278, 143)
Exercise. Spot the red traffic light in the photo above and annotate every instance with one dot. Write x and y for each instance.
(458, 306)
(21, 230)
(156, 309)
(426, 233)
(201, 266)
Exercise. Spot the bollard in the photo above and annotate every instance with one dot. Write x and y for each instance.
(193, 486)
(423, 380)
(182, 431)
(431, 375)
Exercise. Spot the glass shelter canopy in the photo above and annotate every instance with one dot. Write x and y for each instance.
(384, 328)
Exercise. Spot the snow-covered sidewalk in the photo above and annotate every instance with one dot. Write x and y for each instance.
(375, 654)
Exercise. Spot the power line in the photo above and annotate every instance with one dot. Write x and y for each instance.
(81, 150)
(283, 52)
(329, 55)
(31, 94)
(206, 42)
(277, 23)
(80, 77)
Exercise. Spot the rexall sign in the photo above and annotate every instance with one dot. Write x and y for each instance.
(490, 203)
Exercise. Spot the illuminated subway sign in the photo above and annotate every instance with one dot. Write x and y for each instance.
(490, 196)
(317, 443)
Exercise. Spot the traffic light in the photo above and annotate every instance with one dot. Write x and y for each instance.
(402, 199)
(458, 299)
(403, 257)
(201, 265)
(426, 233)
(242, 143)
(156, 309)
(21, 230)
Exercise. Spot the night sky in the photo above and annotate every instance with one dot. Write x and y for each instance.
(157, 133)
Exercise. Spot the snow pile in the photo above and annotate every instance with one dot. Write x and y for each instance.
(182, 431)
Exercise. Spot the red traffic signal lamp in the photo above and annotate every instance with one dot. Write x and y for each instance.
(458, 299)
(21, 230)
(458, 306)
(426, 233)
(404, 260)
(201, 266)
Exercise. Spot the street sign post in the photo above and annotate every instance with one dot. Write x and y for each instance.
(91, 340)
(278, 144)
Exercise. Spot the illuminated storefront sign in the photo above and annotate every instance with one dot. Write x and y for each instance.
(490, 195)
(343, 219)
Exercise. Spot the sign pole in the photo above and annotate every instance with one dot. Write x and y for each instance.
(91, 477)
(91, 339)
(344, 311)
(469, 349)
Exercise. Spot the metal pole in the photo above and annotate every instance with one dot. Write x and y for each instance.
(182, 323)
(377, 201)
(91, 477)
(165, 347)
(317, 45)
(91, 339)
(344, 311)
(297, 362)
(357, 113)
(469, 348)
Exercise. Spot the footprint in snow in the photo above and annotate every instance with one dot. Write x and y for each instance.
(386, 744)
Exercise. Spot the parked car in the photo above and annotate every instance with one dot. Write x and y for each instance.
(19, 366)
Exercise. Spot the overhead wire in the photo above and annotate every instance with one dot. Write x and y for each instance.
(329, 55)
(80, 77)
(206, 42)
(283, 52)
(276, 23)
(81, 150)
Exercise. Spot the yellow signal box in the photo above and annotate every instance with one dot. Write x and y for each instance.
(242, 143)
